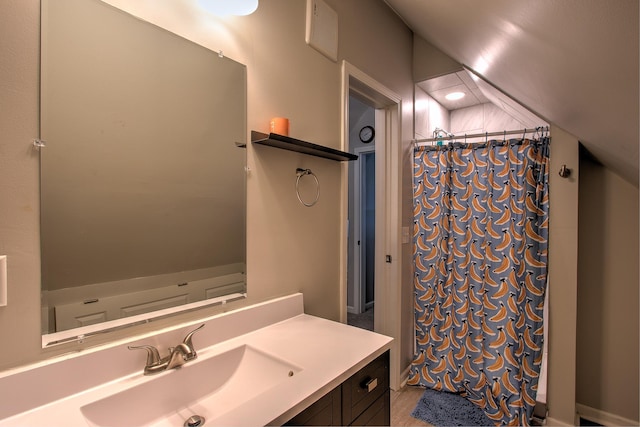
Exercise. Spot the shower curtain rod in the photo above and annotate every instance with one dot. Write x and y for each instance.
(418, 142)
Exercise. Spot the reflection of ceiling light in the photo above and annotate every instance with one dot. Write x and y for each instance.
(229, 7)
(453, 96)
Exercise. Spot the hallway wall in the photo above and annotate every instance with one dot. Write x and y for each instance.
(360, 115)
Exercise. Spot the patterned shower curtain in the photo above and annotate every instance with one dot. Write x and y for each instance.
(481, 221)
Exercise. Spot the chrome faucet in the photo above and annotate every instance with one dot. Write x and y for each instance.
(178, 355)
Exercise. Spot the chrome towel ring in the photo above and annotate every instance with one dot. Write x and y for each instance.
(300, 173)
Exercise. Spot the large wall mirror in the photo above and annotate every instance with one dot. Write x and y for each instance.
(143, 199)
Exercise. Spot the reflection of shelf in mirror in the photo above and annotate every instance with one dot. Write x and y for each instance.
(292, 144)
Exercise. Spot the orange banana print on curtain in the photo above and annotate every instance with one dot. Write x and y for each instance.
(481, 249)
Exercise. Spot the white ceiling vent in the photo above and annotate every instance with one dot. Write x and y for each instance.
(322, 28)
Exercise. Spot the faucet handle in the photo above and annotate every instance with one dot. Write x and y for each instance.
(153, 356)
(187, 342)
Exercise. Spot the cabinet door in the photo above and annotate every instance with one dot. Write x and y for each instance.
(378, 414)
(324, 412)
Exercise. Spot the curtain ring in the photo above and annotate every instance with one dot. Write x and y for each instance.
(300, 173)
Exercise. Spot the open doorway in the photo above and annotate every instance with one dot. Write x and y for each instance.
(362, 219)
(386, 107)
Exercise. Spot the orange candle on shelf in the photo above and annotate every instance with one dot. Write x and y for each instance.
(279, 125)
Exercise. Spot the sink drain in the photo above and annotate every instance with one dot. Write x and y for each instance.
(194, 421)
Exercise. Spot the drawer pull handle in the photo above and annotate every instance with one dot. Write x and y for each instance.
(370, 385)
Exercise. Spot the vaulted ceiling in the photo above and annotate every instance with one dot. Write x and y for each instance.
(572, 62)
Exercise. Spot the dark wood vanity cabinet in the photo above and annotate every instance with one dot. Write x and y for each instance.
(326, 411)
(362, 400)
(365, 395)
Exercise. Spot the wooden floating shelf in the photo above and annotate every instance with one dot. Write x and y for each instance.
(292, 144)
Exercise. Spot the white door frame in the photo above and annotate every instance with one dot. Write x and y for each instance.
(359, 302)
(388, 207)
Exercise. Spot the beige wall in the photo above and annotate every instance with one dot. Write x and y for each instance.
(429, 61)
(563, 280)
(607, 341)
(19, 209)
(290, 248)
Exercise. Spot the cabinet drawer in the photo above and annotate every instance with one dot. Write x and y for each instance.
(362, 389)
(378, 414)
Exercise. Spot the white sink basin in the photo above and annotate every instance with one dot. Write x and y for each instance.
(209, 387)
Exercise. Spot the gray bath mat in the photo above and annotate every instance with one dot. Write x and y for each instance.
(448, 409)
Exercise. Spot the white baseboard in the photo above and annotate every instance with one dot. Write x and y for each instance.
(554, 422)
(602, 417)
(404, 376)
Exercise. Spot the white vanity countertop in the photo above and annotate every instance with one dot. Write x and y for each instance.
(326, 353)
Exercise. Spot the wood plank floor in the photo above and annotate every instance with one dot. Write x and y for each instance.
(402, 404)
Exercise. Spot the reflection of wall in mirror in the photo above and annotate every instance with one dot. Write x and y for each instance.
(132, 303)
(141, 176)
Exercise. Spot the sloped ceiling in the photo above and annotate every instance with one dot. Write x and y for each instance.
(572, 62)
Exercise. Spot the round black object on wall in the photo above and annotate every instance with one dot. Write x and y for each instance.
(367, 133)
